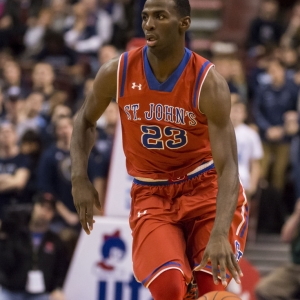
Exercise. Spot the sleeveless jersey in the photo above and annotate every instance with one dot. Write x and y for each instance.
(165, 136)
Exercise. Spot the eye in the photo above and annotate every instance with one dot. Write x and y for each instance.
(160, 16)
(144, 17)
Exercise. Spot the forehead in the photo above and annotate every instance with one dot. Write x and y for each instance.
(6, 128)
(167, 5)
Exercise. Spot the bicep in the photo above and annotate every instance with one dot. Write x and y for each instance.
(104, 90)
(215, 104)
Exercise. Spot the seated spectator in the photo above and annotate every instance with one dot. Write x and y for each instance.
(92, 27)
(33, 38)
(284, 282)
(56, 52)
(12, 77)
(60, 11)
(13, 106)
(249, 148)
(32, 118)
(31, 146)
(32, 258)
(265, 30)
(14, 167)
(43, 78)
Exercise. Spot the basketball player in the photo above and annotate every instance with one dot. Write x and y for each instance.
(188, 214)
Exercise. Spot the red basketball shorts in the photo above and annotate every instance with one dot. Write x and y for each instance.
(171, 225)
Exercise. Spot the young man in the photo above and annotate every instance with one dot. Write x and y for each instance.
(188, 210)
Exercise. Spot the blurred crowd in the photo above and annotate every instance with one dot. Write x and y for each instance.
(50, 51)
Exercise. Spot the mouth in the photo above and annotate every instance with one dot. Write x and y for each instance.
(151, 41)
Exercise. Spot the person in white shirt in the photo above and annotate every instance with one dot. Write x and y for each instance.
(250, 150)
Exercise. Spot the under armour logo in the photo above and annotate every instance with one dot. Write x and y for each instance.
(134, 85)
(142, 213)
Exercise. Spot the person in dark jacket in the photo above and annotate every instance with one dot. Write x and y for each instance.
(32, 258)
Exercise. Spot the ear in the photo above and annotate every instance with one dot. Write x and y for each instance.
(185, 23)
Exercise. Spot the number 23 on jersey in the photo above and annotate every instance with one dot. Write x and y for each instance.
(152, 137)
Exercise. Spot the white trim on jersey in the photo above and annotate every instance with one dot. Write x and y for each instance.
(198, 105)
(118, 77)
(156, 275)
(242, 212)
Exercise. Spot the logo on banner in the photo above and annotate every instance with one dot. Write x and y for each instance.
(113, 251)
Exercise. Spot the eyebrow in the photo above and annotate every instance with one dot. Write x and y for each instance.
(154, 11)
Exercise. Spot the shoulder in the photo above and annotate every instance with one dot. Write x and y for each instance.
(215, 95)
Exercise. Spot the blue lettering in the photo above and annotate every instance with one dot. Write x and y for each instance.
(169, 113)
(126, 110)
(159, 112)
(192, 118)
(179, 113)
(134, 108)
(149, 114)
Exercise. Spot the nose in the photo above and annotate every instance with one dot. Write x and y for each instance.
(149, 24)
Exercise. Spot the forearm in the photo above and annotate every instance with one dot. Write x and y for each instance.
(290, 228)
(83, 139)
(9, 183)
(227, 197)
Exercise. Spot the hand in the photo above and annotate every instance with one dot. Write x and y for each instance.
(275, 133)
(85, 197)
(218, 251)
(71, 218)
(57, 295)
(297, 208)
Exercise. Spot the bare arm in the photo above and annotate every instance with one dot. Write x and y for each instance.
(215, 104)
(17, 181)
(291, 226)
(83, 138)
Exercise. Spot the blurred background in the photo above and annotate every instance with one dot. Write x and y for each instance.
(50, 51)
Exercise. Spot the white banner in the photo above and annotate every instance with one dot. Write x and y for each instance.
(118, 200)
(101, 268)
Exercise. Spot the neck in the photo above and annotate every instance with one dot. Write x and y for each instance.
(164, 63)
(9, 151)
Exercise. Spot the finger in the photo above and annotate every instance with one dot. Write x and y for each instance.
(97, 203)
(223, 272)
(232, 270)
(236, 265)
(215, 269)
(82, 218)
(89, 217)
(203, 262)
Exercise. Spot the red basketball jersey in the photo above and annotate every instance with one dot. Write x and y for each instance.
(165, 136)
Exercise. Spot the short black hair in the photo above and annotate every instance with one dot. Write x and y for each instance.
(183, 7)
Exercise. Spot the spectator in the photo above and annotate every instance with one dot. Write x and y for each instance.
(32, 118)
(14, 167)
(239, 79)
(54, 173)
(31, 146)
(249, 147)
(284, 282)
(33, 38)
(265, 30)
(14, 106)
(32, 258)
(43, 78)
(12, 76)
(271, 103)
(92, 27)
